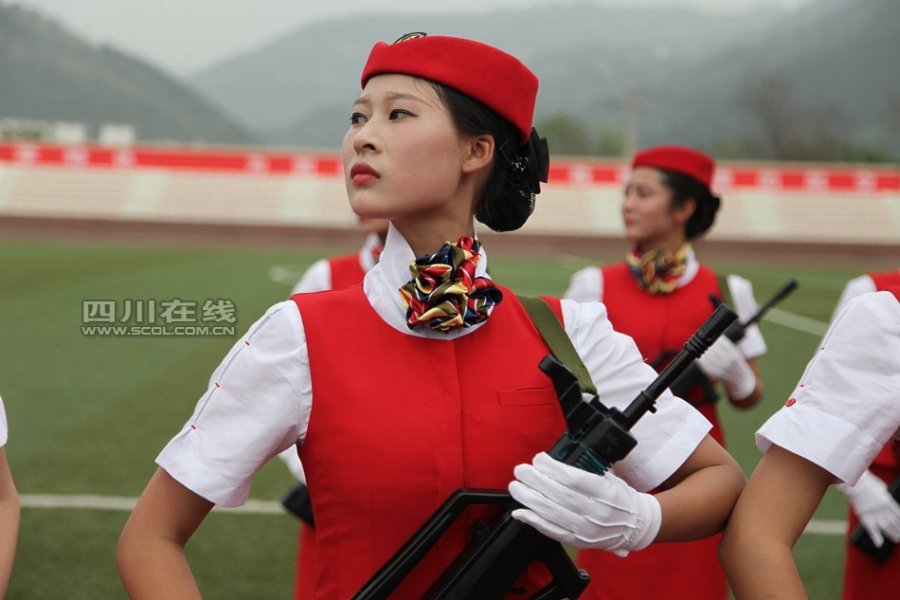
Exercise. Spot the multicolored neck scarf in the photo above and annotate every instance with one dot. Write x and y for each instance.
(658, 271)
(444, 293)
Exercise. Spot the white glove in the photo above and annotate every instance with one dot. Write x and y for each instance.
(725, 362)
(582, 509)
(878, 512)
(752, 344)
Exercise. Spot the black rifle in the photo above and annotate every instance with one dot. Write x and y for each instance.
(501, 551)
(861, 537)
(693, 376)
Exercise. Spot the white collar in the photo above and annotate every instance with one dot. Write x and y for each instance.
(382, 287)
(691, 266)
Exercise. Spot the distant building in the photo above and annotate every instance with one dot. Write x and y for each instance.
(116, 134)
(68, 133)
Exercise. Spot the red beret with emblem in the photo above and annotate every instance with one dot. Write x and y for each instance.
(677, 158)
(496, 79)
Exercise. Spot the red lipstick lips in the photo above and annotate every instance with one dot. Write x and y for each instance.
(362, 173)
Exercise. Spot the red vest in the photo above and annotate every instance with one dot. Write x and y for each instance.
(886, 279)
(662, 322)
(400, 422)
(345, 271)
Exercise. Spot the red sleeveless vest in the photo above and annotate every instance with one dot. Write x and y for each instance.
(662, 322)
(885, 280)
(398, 423)
(345, 271)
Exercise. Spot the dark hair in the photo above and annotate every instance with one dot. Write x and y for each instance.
(706, 204)
(508, 198)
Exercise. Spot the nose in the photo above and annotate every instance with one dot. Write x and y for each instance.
(365, 138)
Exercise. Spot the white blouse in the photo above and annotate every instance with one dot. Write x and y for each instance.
(259, 398)
(846, 405)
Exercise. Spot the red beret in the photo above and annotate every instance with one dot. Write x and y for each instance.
(677, 158)
(496, 79)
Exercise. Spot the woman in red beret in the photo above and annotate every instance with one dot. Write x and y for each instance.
(658, 295)
(423, 379)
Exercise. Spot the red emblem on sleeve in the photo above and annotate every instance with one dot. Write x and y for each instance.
(791, 402)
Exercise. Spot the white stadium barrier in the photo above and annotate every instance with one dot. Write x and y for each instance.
(834, 204)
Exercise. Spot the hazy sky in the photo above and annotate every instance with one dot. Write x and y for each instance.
(182, 36)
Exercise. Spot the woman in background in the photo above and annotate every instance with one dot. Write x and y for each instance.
(659, 296)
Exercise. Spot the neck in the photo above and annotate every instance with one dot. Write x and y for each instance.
(668, 243)
(428, 237)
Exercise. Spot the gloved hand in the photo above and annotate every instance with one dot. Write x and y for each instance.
(582, 509)
(878, 512)
(725, 362)
(752, 345)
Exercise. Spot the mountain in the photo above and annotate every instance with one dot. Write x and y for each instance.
(48, 73)
(837, 61)
(822, 73)
(298, 88)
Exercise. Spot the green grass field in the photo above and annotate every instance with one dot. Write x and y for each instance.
(89, 414)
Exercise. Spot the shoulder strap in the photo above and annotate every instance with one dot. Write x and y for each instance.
(558, 340)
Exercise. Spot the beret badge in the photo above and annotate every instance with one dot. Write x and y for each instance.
(410, 36)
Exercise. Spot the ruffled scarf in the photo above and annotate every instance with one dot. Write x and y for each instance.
(444, 293)
(658, 271)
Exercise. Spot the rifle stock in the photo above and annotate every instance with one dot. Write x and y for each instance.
(501, 551)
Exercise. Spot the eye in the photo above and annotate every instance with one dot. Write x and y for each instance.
(357, 118)
(399, 113)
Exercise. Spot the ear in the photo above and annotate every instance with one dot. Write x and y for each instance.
(478, 152)
(683, 213)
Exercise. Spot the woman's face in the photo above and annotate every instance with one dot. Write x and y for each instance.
(647, 211)
(403, 154)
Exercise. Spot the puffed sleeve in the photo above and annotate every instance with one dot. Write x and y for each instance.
(3, 427)
(257, 405)
(665, 438)
(855, 287)
(847, 403)
(586, 285)
(317, 278)
(741, 290)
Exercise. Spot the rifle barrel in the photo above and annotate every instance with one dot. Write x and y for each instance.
(780, 295)
(699, 343)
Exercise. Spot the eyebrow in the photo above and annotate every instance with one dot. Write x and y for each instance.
(391, 96)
